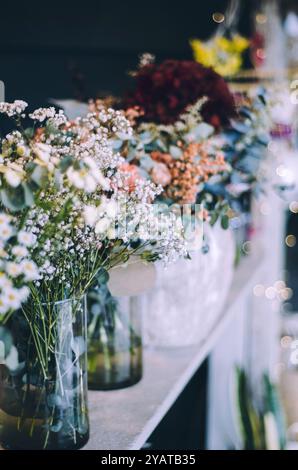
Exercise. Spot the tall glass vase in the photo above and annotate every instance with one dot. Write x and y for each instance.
(43, 377)
(114, 340)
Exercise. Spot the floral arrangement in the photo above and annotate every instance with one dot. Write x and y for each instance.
(68, 217)
(164, 91)
(223, 54)
(244, 144)
(180, 157)
(261, 422)
(65, 188)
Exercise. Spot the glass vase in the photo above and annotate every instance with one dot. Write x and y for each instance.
(43, 377)
(114, 340)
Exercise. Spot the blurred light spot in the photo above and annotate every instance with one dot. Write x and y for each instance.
(293, 206)
(286, 342)
(258, 290)
(270, 293)
(290, 241)
(246, 247)
(281, 171)
(218, 17)
(261, 54)
(286, 293)
(264, 208)
(261, 18)
(279, 285)
(272, 146)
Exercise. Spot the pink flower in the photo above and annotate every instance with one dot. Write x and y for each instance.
(160, 174)
(132, 175)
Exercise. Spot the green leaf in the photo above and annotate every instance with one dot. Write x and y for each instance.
(273, 405)
(29, 132)
(65, 163)
(39, 175)
(224, 222)
(13, 198)
(29, 196)
(214, 218)
(175, 151)
(244, 405)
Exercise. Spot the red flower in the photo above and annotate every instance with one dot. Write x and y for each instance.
(165, 90)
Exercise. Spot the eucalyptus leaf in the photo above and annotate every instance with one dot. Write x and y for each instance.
(39, 175)
(65, 163)
(29, 195)
(13, 198)
(224, 222)
(175, 151)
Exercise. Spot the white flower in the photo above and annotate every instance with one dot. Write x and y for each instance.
(5, 283)
(43, 154)
(11, 298)
(13, 269)
(41, 114)
(102, 225)
(19, 251)
(26, 238)
(30, 270)
(4, 219)
(12, 177)
(24, 293)
(111, 209)
(23, 150)
(90, 215)
(6, 231)
(77, 177)
(97, 174)
(13, 109)
(3, 306)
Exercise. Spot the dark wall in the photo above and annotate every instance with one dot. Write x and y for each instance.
(66, 49)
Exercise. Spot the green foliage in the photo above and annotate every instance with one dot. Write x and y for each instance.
(252, 417)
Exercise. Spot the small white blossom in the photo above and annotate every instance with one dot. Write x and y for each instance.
(6, 231)
(19, 251)
(13, 269)
(26, 238)
(29, 270)
(13, 109)
(41, 114)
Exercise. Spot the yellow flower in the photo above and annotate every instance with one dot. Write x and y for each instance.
(223, 43)
(222, 54)
(240, 43)
(203, 53)
(229, 67)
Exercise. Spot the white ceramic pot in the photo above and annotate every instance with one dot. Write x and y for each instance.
(189, 295)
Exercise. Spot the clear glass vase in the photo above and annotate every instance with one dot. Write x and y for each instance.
(43, 377)
(114, 341)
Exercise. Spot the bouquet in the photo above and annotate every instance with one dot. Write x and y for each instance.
(67, 219)
(164, 91)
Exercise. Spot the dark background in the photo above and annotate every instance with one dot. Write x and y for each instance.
(82, 49)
